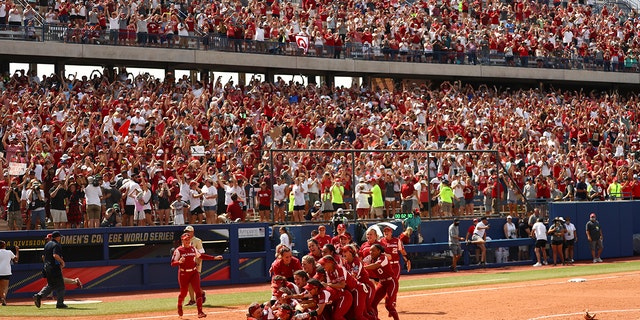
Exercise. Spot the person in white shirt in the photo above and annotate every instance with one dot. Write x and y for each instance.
(196, 214)
(7, 258)
(93, 196)
(130, 190)
(138, 123)
(458, 185)
(285, 238)
(279, 199)
(570, 238)
(362, 201)
(210, 200)
(144, 217)
(313, 187)
(539, 232)
(298, 200)
(480, 237)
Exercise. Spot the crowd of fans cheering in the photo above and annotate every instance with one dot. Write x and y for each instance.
(561, 34)
(116, 128)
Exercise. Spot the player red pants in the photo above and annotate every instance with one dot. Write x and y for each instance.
(387, 289)
(395, 266)
(188, 277)
(360, 303)
(341, 305)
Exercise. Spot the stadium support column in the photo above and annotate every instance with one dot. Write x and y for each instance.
(366, 81)
(205, 76)
(33, 67)
(268, 76)
(170, 72)
(328, 78)
(59, 69)
(242, 78)
(4, 66)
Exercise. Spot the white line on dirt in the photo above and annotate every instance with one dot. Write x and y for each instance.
(185, 315)
(596, 312)
(449, 283)
(496, 288)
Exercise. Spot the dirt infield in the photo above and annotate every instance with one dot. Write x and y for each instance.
(610, 296)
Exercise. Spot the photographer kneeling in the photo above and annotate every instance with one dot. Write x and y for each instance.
(112, 218)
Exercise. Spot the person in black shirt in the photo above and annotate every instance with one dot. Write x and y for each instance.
(595, 237)
(12, 199)
(53, 265)
(581, 190)
(523, 232)
(58, 194)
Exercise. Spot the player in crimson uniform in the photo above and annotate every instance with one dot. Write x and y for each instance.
(363, 293)
(387, 287)
(393, 247)
(372, 238)
(339, 282)
(285, 264)
(322, 238)
(315, 299)
(186, 257)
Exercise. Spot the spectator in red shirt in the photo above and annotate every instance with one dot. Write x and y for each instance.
(234, 209)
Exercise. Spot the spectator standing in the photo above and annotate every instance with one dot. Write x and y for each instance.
(362, 200)
(7, 258)
(539, 233)
(337, 194)
(595, 238)
(12, 200)
(581, 189)
(209, 201)
(510, 232)
(413, 221)
(445, 196)
(524, 231)
(279, 194)
(73, 198)
(36, 201)
(58, 194)
(480, 237)
(408, 194)
(93, 196)
(454, 243)
(377, 200)
(615, 190)
(570, 238)
(557, 232)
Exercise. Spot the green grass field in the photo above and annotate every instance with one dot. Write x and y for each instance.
(138, 304)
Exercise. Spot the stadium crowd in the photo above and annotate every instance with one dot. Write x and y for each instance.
(560, 34)
(146, 142)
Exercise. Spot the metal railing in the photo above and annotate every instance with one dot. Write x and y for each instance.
(357, 51)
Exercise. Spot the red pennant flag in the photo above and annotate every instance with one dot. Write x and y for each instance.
(124, 128)
(160, 128)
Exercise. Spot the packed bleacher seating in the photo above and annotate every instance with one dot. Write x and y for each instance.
(561, 34)
(209, 141)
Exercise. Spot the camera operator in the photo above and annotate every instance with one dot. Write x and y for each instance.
(339, 218)
(12, 199)
(112, 218)
(36, 202)
(58, 194)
